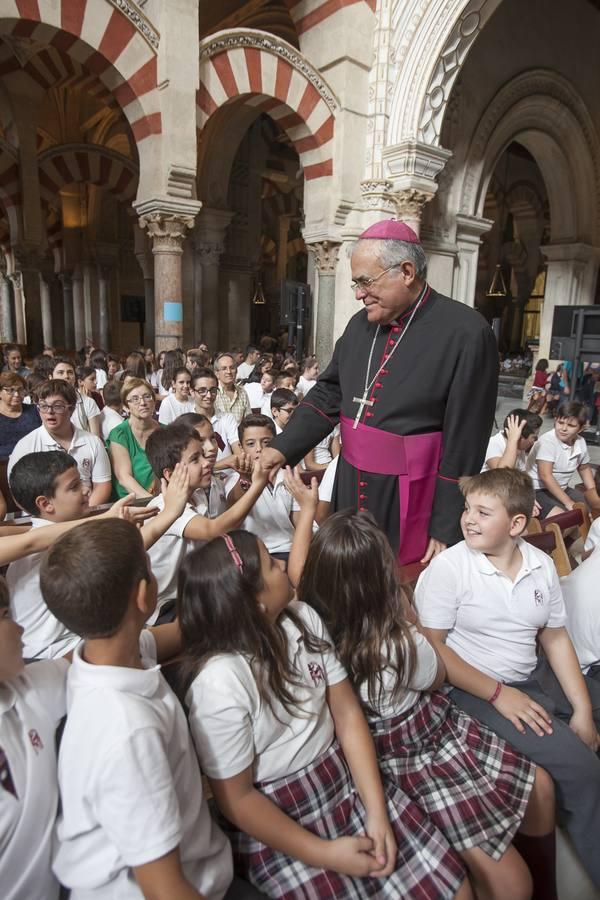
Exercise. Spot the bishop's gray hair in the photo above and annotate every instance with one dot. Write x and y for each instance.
(392, 253)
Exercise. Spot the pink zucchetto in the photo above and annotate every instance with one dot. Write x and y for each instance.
(390, 230)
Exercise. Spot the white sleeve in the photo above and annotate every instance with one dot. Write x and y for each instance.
(135, 801)
(228, 429)
(90, 406)
(166, 413)
(334, 670)
(437, 594)
(557, 614)
(546, 451)
(327, 482)
(19, 451)
(585, 458)
(101, 466)
(48, 679)
(221, 712)
(593, 539)
(179, 525)
(426, 663)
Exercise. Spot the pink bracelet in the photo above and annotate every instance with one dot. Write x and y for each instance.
(496, 693)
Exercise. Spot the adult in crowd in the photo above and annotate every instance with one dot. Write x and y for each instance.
(86, 414)
(13, 361)
(16, 418)
(246, 368)
(413, 383)
(231, 397)
(126, 444)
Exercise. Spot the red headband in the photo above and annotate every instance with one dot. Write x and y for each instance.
(233, 552)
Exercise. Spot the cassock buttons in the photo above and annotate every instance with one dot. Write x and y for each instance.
(395, 329)
(362, 496)
(362, 483)
(369, 415)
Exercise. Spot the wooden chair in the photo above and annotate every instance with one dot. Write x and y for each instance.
(551, 542)
(576, 521)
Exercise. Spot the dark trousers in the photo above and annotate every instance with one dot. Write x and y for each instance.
(573, 766)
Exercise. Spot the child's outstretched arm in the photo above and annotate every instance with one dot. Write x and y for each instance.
(355, 740)
(308, 499)
(258, 816)
(202, 529)
(163, 879)
(175, 493)
(587, 476)
(561, 655)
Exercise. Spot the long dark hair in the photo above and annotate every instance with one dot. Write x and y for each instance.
(174, 359)
(218, 612)
(350, 579)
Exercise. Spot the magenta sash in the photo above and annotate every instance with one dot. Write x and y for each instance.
(415, 460)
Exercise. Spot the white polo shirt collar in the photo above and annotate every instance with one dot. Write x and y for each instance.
(8, 698)
(78, 439)
(143, 682)
(486, 567)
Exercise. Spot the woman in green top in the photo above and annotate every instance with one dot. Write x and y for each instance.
(132, 473)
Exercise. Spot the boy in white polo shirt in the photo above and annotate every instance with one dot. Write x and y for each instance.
(483, 603)
(165, 448)
(272, 517)
(56, 402)
(511, 446)
(558, 455)
(134, 821)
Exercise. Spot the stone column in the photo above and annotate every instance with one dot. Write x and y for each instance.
(78, 308)
(88, 277)
(67, 291)
(46, 312)
(469, 230)
(167, 231)
(103, 315)
(6, 325)
(28, 263)
(209, 245)
(146, 263)
(20, 327)
(570, 281)
(326, 258)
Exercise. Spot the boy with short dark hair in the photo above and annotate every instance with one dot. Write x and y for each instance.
(165, 448)
(111, 416)
(134, 822)
(509, 448)
(283, 405)
(558, 455)
(484, 603)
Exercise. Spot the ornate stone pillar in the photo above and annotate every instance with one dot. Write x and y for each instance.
(209, 246)
(16, 279)
(168, 231)
(326, 257)
(409, 205)
(6, 325)
(413, 167)
(469, 230)
(46, 312)
(27, 263)
(78, 308)
(88, 300)
(103, 314)
(67, 292)
(570, 281)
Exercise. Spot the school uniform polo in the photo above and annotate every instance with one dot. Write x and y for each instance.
(256, 395)
(171, 409)
(44, 637)
(496, 448)
(580, 590)
(384, 702)
(565, 458)
(130, 785)
(31, 706)
(233, 729)
(225, 425)
(213, 502)
(86, 408)
(85, 448)
(593, 539)
(269, 518)
(167, 553)
(305, 385)
(492, 622)
(328, 480)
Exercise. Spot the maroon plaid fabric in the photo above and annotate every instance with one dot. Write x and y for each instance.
(322, 798)
(471, 784)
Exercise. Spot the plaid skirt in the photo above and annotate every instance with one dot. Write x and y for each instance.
(322, 798)
(472, 784)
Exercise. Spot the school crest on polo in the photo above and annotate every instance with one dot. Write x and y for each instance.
(538, 597)
(316, 673)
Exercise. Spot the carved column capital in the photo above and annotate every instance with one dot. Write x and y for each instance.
(377, 196)
(17, 280)
(326, 256)
(167, 230)
(208, 253)
(409, 204)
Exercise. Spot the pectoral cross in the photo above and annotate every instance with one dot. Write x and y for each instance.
(363, 402)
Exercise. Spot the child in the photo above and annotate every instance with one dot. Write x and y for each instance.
(471, 784)
(511, 446)
(259, 392)
(308, 379)
(266, 699)
(484, 604)
(537, 394)
(56, 402)
(49, 488)
(214, 499)
(283, 405)
(111, 414)
(558, 455)
(177, 402)
(86, 414)
(272, 515)
(580, 590)
(165, 448)
(134, 822)
(32, 703)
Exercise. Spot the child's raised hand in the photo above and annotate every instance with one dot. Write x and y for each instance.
(521, 710)
(243, 464)
(176, 490)
(307, 496)
(135, 514)
(259, 476)
(351, 856)
(514, 429)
